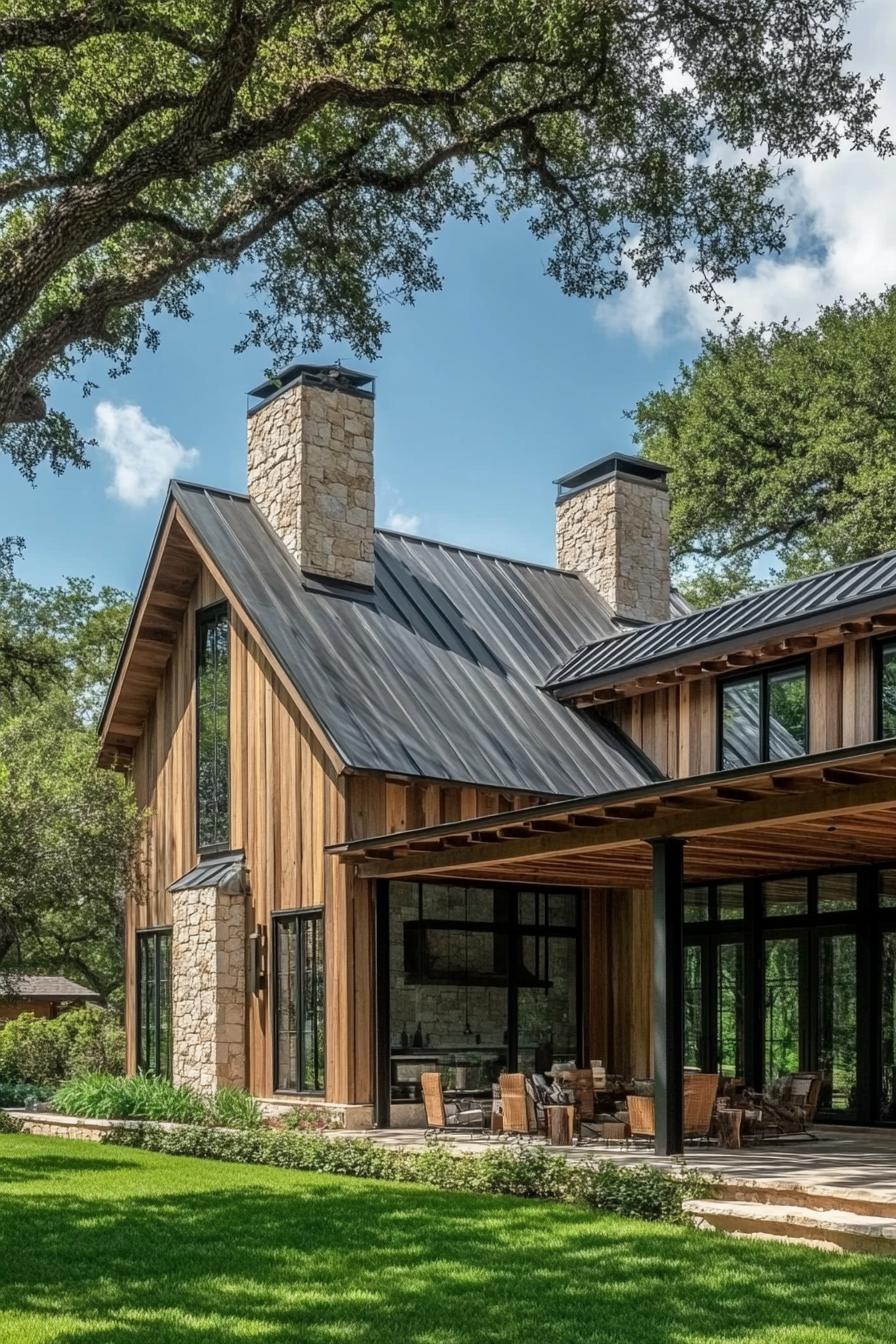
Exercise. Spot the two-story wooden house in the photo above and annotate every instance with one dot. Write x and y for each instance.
(417, 806)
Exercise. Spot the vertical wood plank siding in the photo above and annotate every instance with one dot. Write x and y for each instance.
(677, 725)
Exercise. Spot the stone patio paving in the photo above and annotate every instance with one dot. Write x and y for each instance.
(842, 1158)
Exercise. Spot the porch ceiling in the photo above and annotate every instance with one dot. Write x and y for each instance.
(833, 809)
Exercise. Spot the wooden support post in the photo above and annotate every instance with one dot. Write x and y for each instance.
(668, 993)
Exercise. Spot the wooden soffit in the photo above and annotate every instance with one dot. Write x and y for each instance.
(833, 809)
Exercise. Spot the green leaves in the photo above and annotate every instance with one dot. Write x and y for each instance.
(782, 443)
(142, 144)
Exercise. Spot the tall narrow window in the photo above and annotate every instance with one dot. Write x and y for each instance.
(213, 728)
(299, 1007)
(886, 689)
(763, 717)
(154, 1002)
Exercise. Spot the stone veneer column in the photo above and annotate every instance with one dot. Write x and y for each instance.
(616, 533)
(208, 988)
(311, 474)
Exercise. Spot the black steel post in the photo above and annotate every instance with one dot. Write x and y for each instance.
(382, 1099)
(668, 993)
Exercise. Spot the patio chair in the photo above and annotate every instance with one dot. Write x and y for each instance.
(518, 1108)
(786, 1109)
(447, 1117)
(700, 1091)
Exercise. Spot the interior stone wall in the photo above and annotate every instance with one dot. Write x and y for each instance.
(208, 988)
(616, 533)
(311, 473)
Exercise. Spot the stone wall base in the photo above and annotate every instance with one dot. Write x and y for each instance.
(338, 1114)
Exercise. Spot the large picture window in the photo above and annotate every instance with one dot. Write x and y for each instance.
(154, 1002)
(481, 980)
(763, 717)
(213, 728)
(299, 1006)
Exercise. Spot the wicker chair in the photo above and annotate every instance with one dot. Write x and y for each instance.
(517, 1105)
(700, 1091)
(448, 1117)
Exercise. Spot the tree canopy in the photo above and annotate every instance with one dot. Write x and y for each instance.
(144, 142)
(68, 830)
(782, 444)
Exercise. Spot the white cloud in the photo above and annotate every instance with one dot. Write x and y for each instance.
(841, 242)
(145, 456)
(403, 522)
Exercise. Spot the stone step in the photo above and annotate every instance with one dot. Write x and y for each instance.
(879, 1203)
(831, 1229)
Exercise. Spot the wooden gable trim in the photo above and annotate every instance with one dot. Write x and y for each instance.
(172, 517)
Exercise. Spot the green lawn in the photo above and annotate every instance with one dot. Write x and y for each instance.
(110, 1246)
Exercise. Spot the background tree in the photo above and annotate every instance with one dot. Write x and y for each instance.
(782, 443)
(68, 830)
(144, 142)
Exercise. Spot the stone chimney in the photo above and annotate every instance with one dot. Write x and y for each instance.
(613, 527)
(311, 467)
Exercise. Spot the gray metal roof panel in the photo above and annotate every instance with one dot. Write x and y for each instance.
(436, 673)
(801, 600)
(210, 871)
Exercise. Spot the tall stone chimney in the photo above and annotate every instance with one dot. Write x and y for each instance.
(613, 527)
(311, 467)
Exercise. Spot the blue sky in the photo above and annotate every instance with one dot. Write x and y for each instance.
(486, 391)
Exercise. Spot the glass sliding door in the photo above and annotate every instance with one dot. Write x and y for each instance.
(783, 1009)
(836, 1050)
(694, 1042)
(730, 1059)
(887, 1098)
(299, 1001)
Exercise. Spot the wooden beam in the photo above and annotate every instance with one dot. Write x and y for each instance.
(777, 807)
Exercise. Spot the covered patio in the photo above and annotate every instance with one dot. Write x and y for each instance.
(826, 814)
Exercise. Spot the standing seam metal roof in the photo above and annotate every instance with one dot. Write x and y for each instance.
(436, 672)
(799, 600)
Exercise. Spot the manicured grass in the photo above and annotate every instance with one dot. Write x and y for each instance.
(109, 1246)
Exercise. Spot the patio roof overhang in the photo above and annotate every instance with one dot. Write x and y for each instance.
(831, 809)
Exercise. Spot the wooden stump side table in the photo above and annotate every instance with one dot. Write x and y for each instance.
(560, 1124)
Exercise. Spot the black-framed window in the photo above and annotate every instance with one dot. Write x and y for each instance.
(299, 1001)
(764, 716)
(154, 1002)
(885, 690)
(213, 727)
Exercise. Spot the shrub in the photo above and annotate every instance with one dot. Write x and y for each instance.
(532, 1172)
(106, 1096)
(31, 1051)
(305, 1118)
(93, 1041)
(234, 1109)
(46, 1050)
(27, 1095)
(9, 1124)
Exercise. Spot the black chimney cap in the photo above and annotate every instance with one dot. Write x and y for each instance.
(334, 377)
(614, 464)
